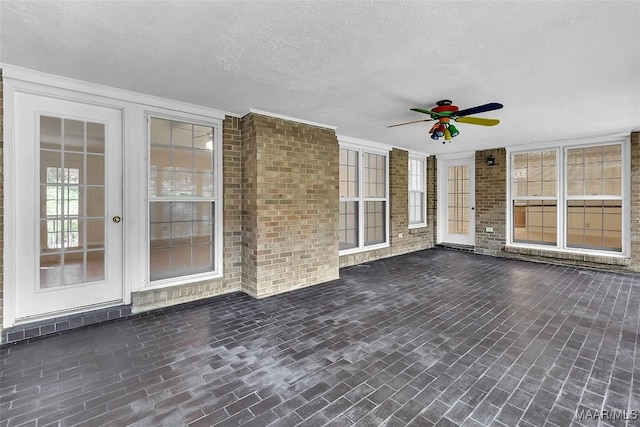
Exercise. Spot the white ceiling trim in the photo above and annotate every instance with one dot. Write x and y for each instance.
(365, 143)
(78, 86)
(290, 119)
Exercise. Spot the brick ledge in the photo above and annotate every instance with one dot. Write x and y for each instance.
(569, 256)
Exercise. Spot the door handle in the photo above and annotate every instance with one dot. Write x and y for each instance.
(116, 219)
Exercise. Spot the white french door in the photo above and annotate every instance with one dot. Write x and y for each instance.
(456, 201)
(68, 203)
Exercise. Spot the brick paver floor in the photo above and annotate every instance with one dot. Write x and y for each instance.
(436, 337)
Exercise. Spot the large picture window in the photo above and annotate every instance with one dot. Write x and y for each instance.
(363, 199)
(574, 203)
(417, 191)
(182, 199)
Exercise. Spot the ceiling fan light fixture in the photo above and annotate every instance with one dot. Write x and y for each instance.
(445, 112)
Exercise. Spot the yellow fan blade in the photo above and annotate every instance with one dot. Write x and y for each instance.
(477, 121)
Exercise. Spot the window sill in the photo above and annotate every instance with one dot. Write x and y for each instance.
(414, 226)
(618, 260)
(176, 281)
(364, 249)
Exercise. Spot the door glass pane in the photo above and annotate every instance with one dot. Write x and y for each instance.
(73, 135)
(72, 188)
(95, 138)
(458, 200)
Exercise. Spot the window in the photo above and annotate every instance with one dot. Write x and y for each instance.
(363, 199)
(182, 199)
(62, 228)
(594, 198)
(534, 196)
(575, 204)
(417, 192)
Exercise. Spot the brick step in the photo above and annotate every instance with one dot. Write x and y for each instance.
(457, 247)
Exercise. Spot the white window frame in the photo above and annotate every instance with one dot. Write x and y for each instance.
(423, 160)
(361, 199)
(561, 191)
(218, 242)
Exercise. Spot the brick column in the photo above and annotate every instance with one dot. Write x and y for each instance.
(432, 196)
(491, 201)
(635, 201)
(290, 205)
(1, 205)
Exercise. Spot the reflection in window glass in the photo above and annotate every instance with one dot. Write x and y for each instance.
(363, 215)
(72, 201)
(535, 221)
(458, 200)
(348, 225)
(417, 193)
(374, 223)
(182, 199)
(594, 224)
(591, 207)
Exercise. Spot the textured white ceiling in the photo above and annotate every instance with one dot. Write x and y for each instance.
(561, 69)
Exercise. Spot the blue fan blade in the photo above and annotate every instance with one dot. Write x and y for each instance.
(479, 109)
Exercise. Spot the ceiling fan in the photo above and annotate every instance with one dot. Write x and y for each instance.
(446, 111)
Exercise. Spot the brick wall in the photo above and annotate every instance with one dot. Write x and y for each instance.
(491, 201)
(412, 239)
(290, 205)
(232, 235)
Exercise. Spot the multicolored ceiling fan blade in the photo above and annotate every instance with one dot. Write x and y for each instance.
(477, 121)
(408, 123)
(425, 111)
(479, 109)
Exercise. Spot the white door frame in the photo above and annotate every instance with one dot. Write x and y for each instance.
(443, 163)
(31, 302)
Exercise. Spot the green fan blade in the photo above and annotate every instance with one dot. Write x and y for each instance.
(425, 111)
(477, 121)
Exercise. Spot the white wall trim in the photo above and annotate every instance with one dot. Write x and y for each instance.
(543, 145)
(290, 119)
(9, 239)
(57, 82)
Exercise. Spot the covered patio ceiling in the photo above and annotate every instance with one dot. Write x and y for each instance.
(562, 69)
